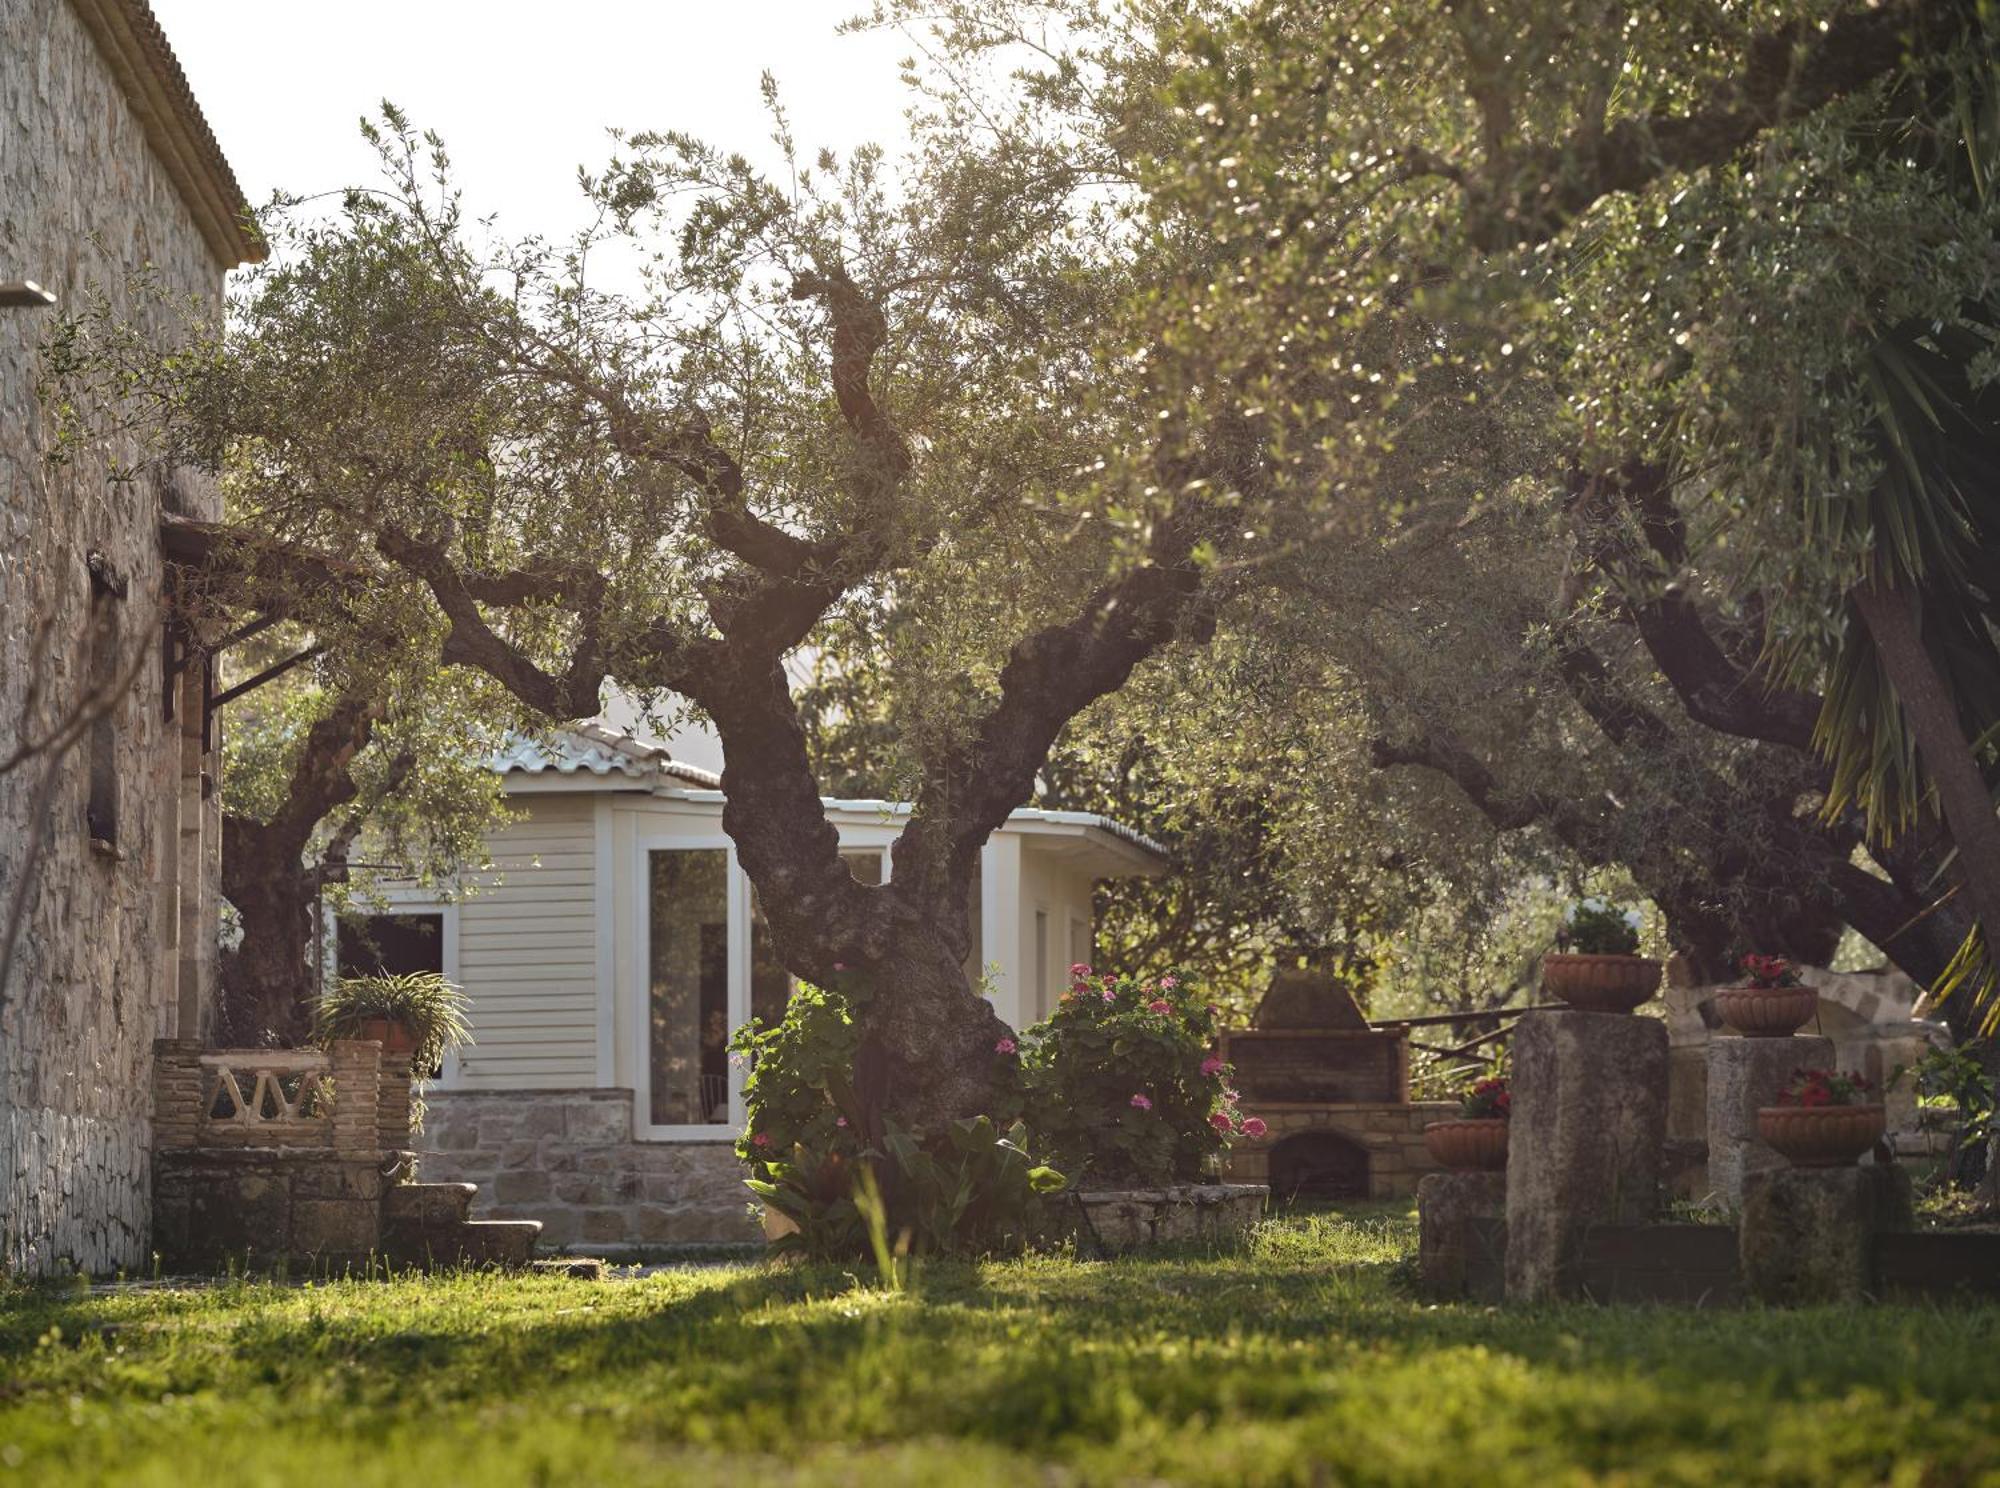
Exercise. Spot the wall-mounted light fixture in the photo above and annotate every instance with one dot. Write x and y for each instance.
(24, 294)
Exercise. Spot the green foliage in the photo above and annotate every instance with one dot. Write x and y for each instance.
(430, 1007)
(1299, 1361)
(855, 1185)
(1957, 1077)
(1597, 927)
(1122, 1085)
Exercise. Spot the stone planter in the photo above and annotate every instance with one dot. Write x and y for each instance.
(1476, 1145)
(395, 1038)
(777, 1226)
(1766, 1012)
(1820, 1136)
(1600, 984)
(1135, 1218)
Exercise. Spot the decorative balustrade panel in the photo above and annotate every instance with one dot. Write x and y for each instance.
(348, 1097)
(267, 1098)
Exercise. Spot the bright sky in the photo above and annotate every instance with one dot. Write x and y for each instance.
(523, 90)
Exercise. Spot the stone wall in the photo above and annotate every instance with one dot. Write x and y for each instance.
(1391, 1134)
(84, 204)
(567, 1158)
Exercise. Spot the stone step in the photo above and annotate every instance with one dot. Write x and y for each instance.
(498, 1242)
(428, 1204)
(472, 1242)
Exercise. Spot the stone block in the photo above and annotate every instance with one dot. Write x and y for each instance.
(588, 1121)
(612, 1225)
(333, 1226)
(1743, 1074)
(1447, 1203)
(1584, 1139)
(1807, 1235)
(521, 1186)
(542, 1119)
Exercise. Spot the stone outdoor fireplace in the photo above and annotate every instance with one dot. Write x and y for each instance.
(1333, 1093)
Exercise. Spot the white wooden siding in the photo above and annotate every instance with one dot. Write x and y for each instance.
(527, 951)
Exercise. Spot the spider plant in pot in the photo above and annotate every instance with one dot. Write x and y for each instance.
(1597, 967)
(417, 1013)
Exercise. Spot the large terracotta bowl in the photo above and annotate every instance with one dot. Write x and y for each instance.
(1473, 1145)
(395, 1038)
(1600, 984)
(1820, 1136)
(1766, 1012)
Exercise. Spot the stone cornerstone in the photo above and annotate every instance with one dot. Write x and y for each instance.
(567, 1158)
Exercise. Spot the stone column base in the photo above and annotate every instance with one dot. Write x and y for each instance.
(1743, 1074)
(1451, 1241)
(1808, 1234)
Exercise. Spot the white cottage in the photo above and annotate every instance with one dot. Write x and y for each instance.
(616, 945)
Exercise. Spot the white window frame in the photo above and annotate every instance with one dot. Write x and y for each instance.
(634, 1012)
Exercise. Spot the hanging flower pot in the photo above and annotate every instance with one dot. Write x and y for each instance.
(1823, 1120)
(1771, 1003)
(1477, 1141)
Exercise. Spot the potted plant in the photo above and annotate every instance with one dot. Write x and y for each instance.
(1477, 1140)
(1823, 1119)
(417, 1013)
(1771, 1003)
(1598, 968)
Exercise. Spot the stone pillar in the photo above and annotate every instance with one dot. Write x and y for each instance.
(1743, 1074)
(1808, 1234)
(1584, 1142)
(357, 1069)
(1451, 1239)
(176, 1093)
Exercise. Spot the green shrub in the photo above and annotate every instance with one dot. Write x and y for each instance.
(1597, 927)
(1122, 1086)
(813, 1147)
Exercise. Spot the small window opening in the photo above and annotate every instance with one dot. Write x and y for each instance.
(107, 591)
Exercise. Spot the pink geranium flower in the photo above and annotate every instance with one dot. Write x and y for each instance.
(1005, 1046)
(1254, 1127)
(1170, 982)
(762, 1139)
(840, 1121)
(1159, 1005)
(1212, 1066)
(1141, 1103)
(1080, 969)
(1109, 995)
(1221, 1122)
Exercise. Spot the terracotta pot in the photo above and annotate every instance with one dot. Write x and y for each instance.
(1820, 1136)
(1477, 1145)
(395, 1038)
(1600, 984)
(1766, 1012)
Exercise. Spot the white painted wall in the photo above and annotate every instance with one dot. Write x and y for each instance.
(1053, 886)
(528, 950)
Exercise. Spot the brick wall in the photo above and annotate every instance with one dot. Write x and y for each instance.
(567, 1158)
(1392, 1136)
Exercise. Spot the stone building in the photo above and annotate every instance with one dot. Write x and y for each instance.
(106, 169)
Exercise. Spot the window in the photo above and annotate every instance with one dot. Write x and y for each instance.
(688, 988)
(390, 945)
(107, 588)
(710, 966)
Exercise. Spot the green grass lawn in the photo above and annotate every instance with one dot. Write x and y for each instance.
(1304, 1361)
